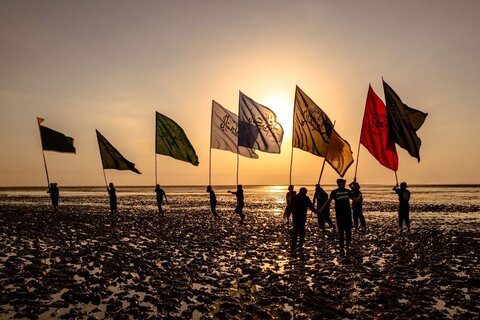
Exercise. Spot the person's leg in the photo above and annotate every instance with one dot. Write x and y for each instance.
(355, 218)
(400, 220)
(348, 236)
(330, 223)
(301, 231)
(294, 235)
(362, 220)
(341, 235)
(407, 219)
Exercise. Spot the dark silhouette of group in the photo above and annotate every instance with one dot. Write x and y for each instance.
(346, 201)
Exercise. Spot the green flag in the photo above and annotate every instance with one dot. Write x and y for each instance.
(171, 140)
(403, 122)
(111, 158)
(55, 141)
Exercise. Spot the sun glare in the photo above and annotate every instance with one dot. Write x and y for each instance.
(282, 105)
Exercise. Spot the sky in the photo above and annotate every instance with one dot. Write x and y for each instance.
(109, 65)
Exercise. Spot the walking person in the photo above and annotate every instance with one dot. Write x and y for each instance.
(357, 206)
(112, 194)
(289, 196)
(403, 205)
(240, 202)
(300, 204)
(320, 198)
(213, 202)
(160, 195)
(54, 195)
(343, 213)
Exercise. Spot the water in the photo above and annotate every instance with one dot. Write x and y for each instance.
(266, 199)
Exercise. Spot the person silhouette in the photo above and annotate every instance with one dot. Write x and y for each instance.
(160, 195)
(403, 205)
(240, 202)
(213, 202)
(289, 196)
(300, 204)
(320, 198)
(343, 213)
(357, 205)
(54, 195)
(112, 194)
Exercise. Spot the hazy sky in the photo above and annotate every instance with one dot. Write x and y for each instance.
(109, 65)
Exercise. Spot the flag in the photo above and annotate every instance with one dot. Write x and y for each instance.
(403, 122)
(55, 141)
(314, 132)
(340, 155)
(172, 141)
(224, 134)
(375, 136)
(258, 126)
(311, 126)
(111, 158)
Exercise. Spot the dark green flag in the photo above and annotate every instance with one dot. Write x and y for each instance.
(55, 141)
(172, 141)
(111, 158)
(403, 122)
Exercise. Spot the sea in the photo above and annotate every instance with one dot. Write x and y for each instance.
(265, 199)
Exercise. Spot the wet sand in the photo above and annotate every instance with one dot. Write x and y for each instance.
(82, 263)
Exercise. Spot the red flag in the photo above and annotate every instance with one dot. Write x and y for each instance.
(375, 136)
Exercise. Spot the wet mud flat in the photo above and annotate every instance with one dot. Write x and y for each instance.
(83, 263)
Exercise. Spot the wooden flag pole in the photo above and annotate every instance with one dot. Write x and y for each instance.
(325, 159)
(43, 153)
(396, 178)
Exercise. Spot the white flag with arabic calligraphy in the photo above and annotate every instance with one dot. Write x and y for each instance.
(258, 126)
(225, 132)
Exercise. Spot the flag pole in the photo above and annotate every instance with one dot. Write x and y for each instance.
(156, 181)
(210, 151)
(105, 177)
(356, 164)
(291, 165)
(293, 129)
(325, 159)
(43, 153)
(396, 178)
(238, 160)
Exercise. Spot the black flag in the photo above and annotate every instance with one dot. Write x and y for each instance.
(111, 158)
(403, 122)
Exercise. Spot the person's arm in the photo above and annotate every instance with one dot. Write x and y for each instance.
(326, 204)
(311, 206)
(166, 201)
(314, 199)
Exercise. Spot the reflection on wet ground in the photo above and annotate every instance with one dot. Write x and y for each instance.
(80, 263)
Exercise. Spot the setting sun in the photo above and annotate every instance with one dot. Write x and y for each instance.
(282, 105)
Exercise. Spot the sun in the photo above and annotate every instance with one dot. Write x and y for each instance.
(282, 105)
